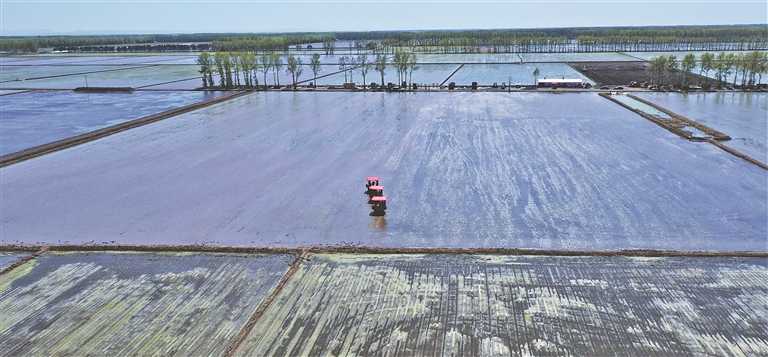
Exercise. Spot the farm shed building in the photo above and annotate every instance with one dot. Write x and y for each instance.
(559, 82)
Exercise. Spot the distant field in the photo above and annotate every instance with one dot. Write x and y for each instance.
(40, 117)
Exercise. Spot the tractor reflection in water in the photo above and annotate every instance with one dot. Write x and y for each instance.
(379, 223)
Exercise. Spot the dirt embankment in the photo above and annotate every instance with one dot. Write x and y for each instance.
(621, 73)
(359, 249)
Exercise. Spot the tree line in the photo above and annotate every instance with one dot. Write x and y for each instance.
(243, 69)
(32, 44)
(601, 39)
(750, 65)
(172, 47)
(231, 67)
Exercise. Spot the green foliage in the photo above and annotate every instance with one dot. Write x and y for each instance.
(206, 68)
(364, 66)
(686, 65)
(381, 65)
(315, 65)
(294, 69)
(669, 38)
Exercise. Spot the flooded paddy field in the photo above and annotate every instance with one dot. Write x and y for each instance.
(580, 57)
(740, 115)
(9, 91)
(9, 258)
(40, 117)
(97, 303)
(135, 77)
(14, 73)
(427, 73)
(525, 170)
(93, 59)
(488, 74)
(462, 305)
(49, 60)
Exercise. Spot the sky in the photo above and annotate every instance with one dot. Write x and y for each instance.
(77, 17)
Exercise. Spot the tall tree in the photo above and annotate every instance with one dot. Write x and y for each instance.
(220, 58)
(329, 45)
(227, 70)
(412, 66)
(707, 63)
(400, 61)
(742, 64)
(205, 61)
(381, 65)
(686, 65)
(294, 69)
(277, 65)
(315, 65)
(234, 60)
(248, 63)
(351, 64)
(762, 66)
(365, 66)
(720, 69)
(728, 66)
(658, 68)
(343, 66)
(671, 66)
(266, 65)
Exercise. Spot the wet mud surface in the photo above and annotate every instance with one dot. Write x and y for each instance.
(622, 73)
(96, 303)
(542, 171)
(397, 305)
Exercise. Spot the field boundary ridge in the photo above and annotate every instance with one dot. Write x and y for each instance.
(298, 251)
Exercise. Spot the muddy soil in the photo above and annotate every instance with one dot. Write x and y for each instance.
(621, 73)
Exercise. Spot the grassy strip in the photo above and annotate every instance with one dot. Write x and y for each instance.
(377, 250)
(30, 153)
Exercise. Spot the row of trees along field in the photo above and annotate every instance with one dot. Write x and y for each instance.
(33, 44)
(601, 39)
(169, 47)
(749, 67)
(231, 67)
